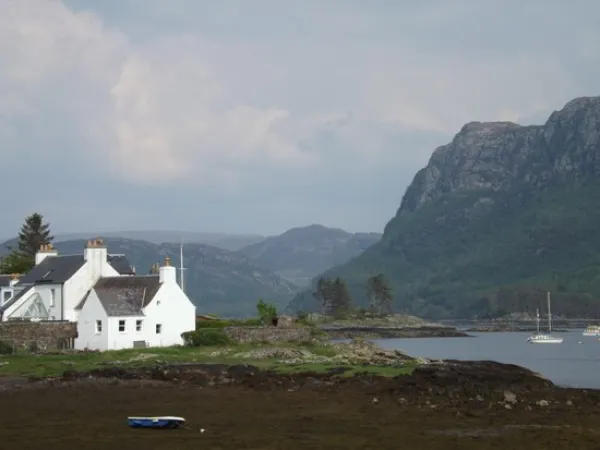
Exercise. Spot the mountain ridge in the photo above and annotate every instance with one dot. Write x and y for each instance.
(500, 206)
(300, 253)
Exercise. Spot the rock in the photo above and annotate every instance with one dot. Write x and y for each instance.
(479, 398)
(569, 403)
(510, 397)
(507, 406)
(542, 403)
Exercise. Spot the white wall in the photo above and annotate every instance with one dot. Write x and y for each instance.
(80, 283)
(45, 291)
(124, 339)
(86, 325)
(174, 311)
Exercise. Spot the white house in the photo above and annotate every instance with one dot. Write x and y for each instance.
(123, 312)
(152, 310)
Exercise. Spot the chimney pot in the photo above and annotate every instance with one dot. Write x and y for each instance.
(167, 261)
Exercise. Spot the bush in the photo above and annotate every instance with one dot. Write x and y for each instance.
(205, 337)
(6, 348)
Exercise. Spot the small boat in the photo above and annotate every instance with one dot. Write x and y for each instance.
(156, 422)
(592, 330)
(539, 338)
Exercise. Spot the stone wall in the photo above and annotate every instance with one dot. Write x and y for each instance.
(38, 336)
(244, 335)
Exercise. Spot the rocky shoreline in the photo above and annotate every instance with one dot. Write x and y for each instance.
(393, 332)
(440, 405)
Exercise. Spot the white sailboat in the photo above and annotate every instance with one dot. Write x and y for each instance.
(544, 338)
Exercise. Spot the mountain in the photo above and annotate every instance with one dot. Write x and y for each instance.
(497, 217)
(225, 241)
(216, 280)
(301, 253)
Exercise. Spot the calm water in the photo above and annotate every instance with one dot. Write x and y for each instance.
(567, 364)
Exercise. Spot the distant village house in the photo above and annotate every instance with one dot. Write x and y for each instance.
(112, 306)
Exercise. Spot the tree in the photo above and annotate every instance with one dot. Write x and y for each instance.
(380, 294)
(321, 293)
(339, 300)
(34, 232)
(266, 312)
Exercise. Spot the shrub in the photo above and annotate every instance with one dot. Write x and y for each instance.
(205, 337)
(6, 348)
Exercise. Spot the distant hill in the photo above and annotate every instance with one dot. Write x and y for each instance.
(216, 280)
(499, 216)
(221, 240)
(301, 253)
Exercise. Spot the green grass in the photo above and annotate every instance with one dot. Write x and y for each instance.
(24, 364)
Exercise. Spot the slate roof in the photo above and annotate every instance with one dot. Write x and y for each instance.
(121, 264)
(125, 296)
(5, 280)
(58, 269)
(54, 270)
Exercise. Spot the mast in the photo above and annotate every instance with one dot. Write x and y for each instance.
(549, 313)
(181, 268)
(537, 319)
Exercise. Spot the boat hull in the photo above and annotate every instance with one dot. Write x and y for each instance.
(165, 422)
(591, 333)
(545, 341)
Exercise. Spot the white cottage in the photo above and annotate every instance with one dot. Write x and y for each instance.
(126, 312)
(113, 308)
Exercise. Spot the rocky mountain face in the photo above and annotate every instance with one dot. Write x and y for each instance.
(217, 281)
(498, 216)
(301, 253)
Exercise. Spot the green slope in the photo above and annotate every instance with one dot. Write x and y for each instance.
(498, 217)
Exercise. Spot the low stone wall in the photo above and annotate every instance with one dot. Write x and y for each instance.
(245, 335)
(38, 336)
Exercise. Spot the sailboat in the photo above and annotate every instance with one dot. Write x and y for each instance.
(544, 338)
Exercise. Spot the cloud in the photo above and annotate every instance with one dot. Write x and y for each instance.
(323, 108)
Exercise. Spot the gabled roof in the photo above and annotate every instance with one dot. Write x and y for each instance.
(121, 264)
(58, 269)
(15, 298)
(125, 296)
(5, 280)
(54, 270)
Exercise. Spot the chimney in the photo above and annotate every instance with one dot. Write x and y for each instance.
(44, 251)
(96, 255)
(14, 279)
(167, 273)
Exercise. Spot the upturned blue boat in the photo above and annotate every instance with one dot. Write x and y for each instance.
(164, 422)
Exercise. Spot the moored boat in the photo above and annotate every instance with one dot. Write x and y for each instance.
(541, 338)
(156, 422)
(592, 330)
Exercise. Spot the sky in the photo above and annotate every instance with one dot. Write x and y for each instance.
(256, 117)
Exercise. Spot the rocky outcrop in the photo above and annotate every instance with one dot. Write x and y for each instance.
(499, 156)
(498, 217)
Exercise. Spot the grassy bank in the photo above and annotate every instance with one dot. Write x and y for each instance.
(284, 358)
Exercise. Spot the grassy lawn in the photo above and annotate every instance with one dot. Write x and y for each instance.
(25, 364)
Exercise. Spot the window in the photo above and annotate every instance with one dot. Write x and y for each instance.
(121, 326)
(7, 296)
(52, 297)
(158, 328)
(138, 325)
(98, 326)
